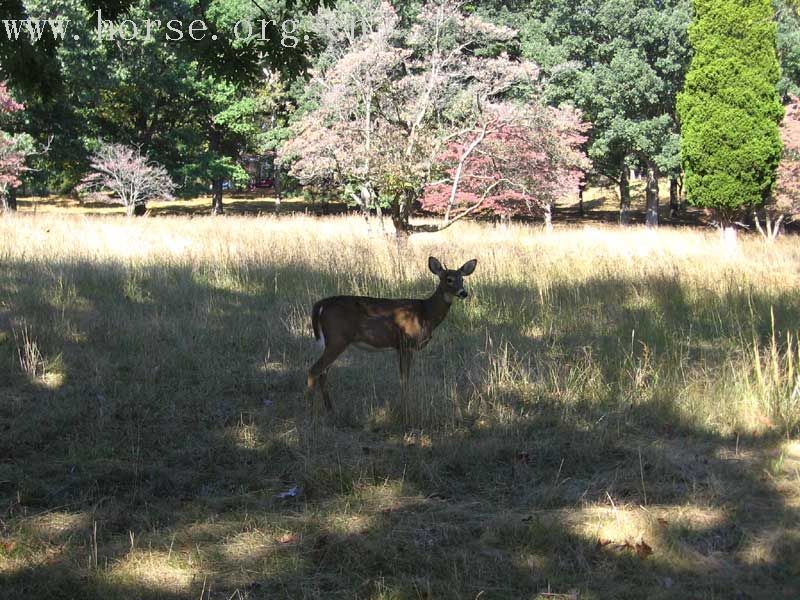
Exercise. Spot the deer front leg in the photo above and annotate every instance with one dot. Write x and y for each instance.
(318, 373)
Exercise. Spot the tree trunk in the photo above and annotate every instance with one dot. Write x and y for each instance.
(401, 229)
(505, 222)
(674, 202)
(459, 170)
(379, 214)
(401, 208)
(216, 197)
(727, 231)
(728, 234)
(215, 140)
(400, 216)
(548, 217)
(624, 196)
(364, 199)
(580, 202)
(652, 195)
(276, 178)
(774, 227)
(8, 201)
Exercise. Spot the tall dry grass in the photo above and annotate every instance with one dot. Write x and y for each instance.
(582, 315)
(152, 371)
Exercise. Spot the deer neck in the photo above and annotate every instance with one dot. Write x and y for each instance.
(437, 307)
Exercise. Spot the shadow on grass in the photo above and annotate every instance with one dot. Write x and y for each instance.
(605, 210)
(173, 412)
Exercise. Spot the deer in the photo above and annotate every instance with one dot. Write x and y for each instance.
(382, 324)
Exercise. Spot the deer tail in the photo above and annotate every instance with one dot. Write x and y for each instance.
(316, 311)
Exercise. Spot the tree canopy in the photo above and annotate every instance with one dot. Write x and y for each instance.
(622, 62)
(399, 106)
(383, 108)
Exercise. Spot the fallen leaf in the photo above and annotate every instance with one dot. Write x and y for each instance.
(286, 538)
(643, 550)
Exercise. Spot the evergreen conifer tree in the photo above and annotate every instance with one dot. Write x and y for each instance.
(730, 108)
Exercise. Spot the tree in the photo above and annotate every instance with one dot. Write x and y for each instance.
(129, 176)
(730, 109)
(388, 99)
(344, 139)
(190, 104)
(622, 63)
(12, 153)
(528, 158)
(785, 203)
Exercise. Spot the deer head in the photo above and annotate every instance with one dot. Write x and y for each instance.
(451, 281)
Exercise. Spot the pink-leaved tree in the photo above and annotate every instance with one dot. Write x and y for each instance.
(787, 188)
(518, 161)
(397, 108)
(785, 203)
(12, 153)
(130, 177)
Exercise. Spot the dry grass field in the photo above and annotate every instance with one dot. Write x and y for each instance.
(612, 414)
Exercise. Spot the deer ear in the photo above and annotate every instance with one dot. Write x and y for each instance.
(469, 267)
(435, 266)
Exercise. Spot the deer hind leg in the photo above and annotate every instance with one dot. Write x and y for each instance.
(318, 373)
(405, 355)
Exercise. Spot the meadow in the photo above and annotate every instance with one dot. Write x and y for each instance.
(613, 413)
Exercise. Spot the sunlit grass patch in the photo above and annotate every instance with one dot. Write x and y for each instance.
(154, 570)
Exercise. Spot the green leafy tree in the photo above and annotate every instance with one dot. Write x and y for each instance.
(194, 105)
(730, 109)
(622, 62)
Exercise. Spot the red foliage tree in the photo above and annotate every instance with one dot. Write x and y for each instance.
(12, 155)
(787, 191)
(786, 197)
(518, 161)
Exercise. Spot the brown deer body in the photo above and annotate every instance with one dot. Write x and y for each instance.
(382, 324)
